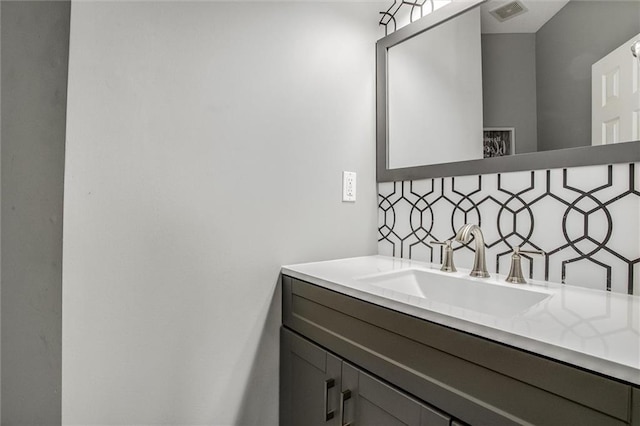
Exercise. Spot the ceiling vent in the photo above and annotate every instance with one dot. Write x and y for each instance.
(508, 11)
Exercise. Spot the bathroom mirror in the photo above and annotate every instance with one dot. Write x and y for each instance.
(440, 83)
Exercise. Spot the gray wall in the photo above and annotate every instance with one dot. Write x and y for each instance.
(0, 227)
(576, 37)
(509, 86)
(205, 148)
(35, 48)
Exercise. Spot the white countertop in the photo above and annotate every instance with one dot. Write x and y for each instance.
(592, 329)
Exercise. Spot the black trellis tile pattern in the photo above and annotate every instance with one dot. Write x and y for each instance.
(585, 219)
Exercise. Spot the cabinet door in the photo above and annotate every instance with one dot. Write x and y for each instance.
(310, 383)
(374, 403)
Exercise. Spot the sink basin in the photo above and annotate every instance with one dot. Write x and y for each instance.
(472, 294)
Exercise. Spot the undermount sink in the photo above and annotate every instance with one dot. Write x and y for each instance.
(472, 294)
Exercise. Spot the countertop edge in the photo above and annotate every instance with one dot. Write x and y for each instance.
(567, 356)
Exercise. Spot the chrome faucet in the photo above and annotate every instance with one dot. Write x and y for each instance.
(479, 262)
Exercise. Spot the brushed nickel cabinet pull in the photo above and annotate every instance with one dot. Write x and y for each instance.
(344, 396)
(328, 384)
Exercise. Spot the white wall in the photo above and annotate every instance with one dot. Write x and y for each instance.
(205, 148)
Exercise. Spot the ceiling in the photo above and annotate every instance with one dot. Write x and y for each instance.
(538, 13)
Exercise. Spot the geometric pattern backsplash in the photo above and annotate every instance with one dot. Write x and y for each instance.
(585, 219)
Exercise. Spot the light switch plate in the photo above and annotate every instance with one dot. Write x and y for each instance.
(349, 186)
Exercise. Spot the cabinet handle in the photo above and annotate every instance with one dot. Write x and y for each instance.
(344, 396)
(328, 384)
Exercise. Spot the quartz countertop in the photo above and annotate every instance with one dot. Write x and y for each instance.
(591, 329)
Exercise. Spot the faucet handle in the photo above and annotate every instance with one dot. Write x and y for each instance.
(515, 273)
(447, 258)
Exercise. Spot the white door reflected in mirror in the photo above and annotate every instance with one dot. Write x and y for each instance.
(615, 108)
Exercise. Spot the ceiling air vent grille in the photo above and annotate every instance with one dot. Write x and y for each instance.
(508, 11)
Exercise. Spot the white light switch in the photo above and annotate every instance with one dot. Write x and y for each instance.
(348, 186)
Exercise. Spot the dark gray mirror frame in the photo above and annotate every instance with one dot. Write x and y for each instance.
(571, 157)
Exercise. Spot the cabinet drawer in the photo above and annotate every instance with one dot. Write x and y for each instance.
(477, 380)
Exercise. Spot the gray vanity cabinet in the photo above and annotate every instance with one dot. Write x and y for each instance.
(318, 388)
(397, 367)
(310, 383)
(374, 403)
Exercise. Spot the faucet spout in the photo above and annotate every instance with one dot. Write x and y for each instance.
(479, 262)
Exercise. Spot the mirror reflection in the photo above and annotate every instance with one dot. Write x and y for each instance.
(515, 77)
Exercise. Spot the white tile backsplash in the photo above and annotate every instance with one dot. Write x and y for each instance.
(586, 219)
